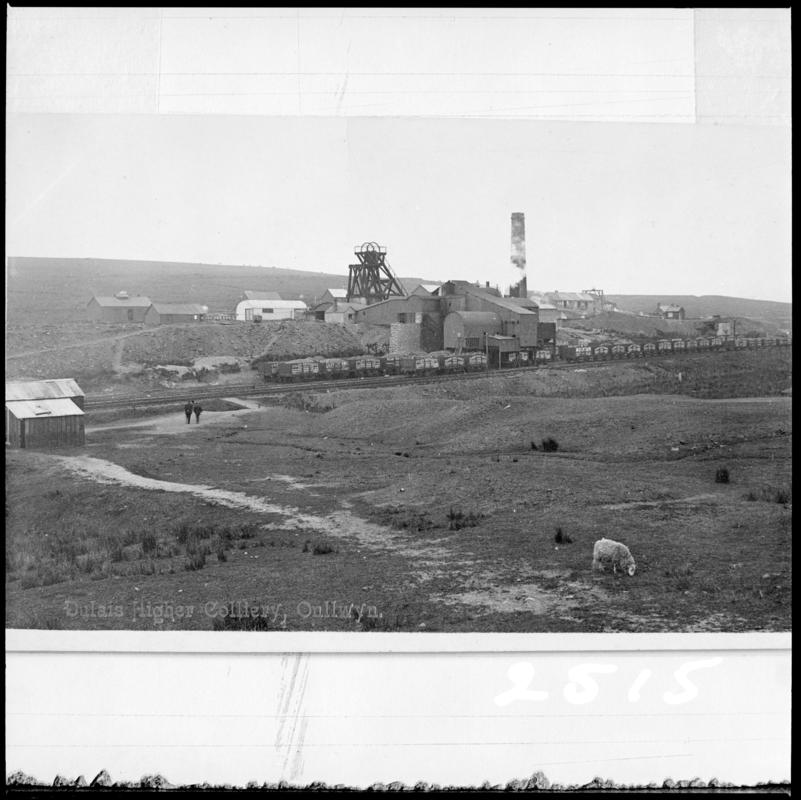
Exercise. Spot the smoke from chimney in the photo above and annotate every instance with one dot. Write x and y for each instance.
(519, 253)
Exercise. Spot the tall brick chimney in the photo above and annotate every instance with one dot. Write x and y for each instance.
(520, 289)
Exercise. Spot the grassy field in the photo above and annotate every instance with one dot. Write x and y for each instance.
(420, 509)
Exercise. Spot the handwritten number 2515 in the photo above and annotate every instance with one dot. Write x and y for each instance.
(582, 687)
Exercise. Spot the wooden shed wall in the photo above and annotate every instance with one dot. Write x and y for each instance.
(49, 432)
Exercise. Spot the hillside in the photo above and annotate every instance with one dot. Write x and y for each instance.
(629, 325)
(107, 360)
(698, 307)
(63, 286)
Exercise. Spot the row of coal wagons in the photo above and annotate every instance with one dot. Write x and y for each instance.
(309, 369)
(604, 352)
(432, 363)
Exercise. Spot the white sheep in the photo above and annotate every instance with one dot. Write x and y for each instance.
(608, 553)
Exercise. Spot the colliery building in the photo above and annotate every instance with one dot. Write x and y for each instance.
(167, 313)
(461, 316)
(119, 308)
(44, 414)
(268, 306)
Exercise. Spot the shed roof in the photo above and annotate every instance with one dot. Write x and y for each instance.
(42, 390)
(262, 295)
(524, 302)
(338, 293)
(428, 287)
(276, 302)
(139, 301)
(178, 308)
(36, 409)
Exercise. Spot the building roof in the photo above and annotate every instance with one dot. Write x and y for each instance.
(262, 295)
(42, 390)
(489, 296)
(275, 303)
(339, 294)
(178, 308)
(524, 302)
(36, 409)
(139, 301)
(671, 307)
(574, 296)
(428, 287)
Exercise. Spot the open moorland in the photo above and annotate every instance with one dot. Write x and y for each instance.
(424, 508)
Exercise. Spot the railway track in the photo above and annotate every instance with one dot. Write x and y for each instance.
(170, 397)
(276, 389)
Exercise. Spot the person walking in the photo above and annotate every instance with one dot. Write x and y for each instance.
(188, 411)
(197, 408)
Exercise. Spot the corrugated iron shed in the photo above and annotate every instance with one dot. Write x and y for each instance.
(36, 409)
(128, 302)
(178, 308)
(43, 390)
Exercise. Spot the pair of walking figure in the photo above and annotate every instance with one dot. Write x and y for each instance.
(190, 408)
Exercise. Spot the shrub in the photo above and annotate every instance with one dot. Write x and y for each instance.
(115, 551)
(457, 520)
(150, 544)
(562, 538)
(770, 494)
(722, 475)
(550, 445)
(195, 562)
(221, 556)
(323, 549)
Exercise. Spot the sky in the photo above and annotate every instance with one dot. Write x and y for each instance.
(632, 209)
(649, 149)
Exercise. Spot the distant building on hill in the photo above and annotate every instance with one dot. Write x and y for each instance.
(44, 414)
(670, 311)
(261, 308)
(167, 313)
(119, 308)
(579, 302)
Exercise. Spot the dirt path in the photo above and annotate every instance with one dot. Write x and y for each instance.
(115, 338)
(434, 559)
(637, 504)
(176, 421)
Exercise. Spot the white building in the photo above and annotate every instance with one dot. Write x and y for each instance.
(266, 310)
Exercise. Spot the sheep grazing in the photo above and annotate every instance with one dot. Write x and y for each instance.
(608, 553)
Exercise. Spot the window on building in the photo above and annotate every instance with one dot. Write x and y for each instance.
(266, 311)
(472, 343)
(130, 315)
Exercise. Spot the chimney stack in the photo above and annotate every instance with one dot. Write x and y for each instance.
(519, 253)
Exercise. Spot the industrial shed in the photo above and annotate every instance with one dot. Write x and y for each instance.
(516, 320)
(267, 309)
(120, 308)
(412, 308)
(44, 423)
(167, 313)
(32, 391)
(466, 330)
